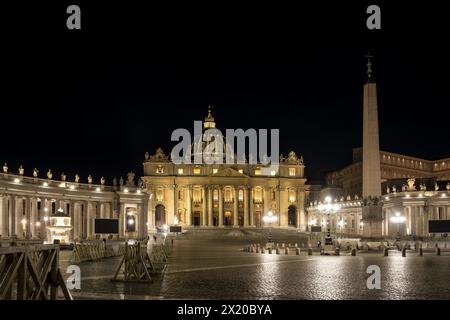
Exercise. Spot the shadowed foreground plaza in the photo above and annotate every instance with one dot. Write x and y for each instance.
(201, 268)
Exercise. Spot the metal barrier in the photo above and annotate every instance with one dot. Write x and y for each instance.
(31, 273)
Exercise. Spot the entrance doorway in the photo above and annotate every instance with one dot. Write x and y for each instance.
(160, 215)
(227, 218)
(258, 219)
(292, 216)
(196, 218)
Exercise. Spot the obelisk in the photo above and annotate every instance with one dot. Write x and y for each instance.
(372, 209)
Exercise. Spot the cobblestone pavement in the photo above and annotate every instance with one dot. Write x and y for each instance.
(219, 269)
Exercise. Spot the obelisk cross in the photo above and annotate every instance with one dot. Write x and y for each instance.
(369, 65)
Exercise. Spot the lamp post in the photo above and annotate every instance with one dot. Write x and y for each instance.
(328, 208)
(270, 218)
(398, 219)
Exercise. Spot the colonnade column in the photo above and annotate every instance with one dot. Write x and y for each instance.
(12, 216)
(72, 220)
(140, 221)
(34, 219)
(4, 231)
(121, 220)
(28, 221)
(18, 216)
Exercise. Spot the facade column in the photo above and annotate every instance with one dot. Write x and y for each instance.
(235, 208)
(169, 205)
(246, 202)
(301, 220)
(188, 221)
(283, 210)
(252, 210)
(204, 201)
(210, 208)
(220, 224)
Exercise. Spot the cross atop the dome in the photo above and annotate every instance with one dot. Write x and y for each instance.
(209, 120)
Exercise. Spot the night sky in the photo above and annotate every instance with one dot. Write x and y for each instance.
(94, 101)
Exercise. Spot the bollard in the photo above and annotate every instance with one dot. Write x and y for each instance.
(309, 252)
(336, 251)
(286, 251)
(438, 251)
(296, 245)
(252, 249)
(283, 245)
(297, 251)
(404, 251)
(386, 252)
(420, 251)
(278, 251)
(257, 249)
(263, 250)
(353, 252)
(270, 250)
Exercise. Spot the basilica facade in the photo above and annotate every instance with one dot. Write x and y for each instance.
(224, 195)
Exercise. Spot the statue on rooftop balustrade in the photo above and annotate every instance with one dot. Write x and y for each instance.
(5, 168)
(21, 170)
(130, 179)
(102, 180)
(63, 177)
(89, 179)
(35, 172)
(49, 174)
(77, 178)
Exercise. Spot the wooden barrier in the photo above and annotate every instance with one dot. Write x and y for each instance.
(31, 273)
(135, 265)
(91, 251)
(138, 264)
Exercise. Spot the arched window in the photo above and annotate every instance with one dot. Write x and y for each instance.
(292, 197)
(258, 195)
(227, 195)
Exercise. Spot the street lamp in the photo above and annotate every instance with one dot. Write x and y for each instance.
(398, 219)
(270, 218)
(328, 208)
